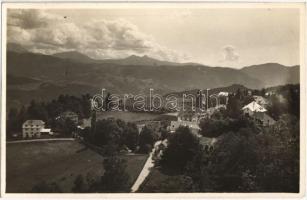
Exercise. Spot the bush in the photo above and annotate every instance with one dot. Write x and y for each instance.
(115, 177)
(147, 139)
(183, 145)
(115, 133)
(213, 127)
(216, 127)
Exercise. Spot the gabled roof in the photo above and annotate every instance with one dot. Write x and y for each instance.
(34, 122)
(254, 107)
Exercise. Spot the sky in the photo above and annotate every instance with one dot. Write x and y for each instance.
(228, 37)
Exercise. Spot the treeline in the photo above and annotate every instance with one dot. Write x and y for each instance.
(246, 156)
(282, 100)
(48, 111)
(246, 160)
(286, 100)
(114, 135)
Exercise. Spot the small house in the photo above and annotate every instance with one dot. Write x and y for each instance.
(258, 113)
(252, 108)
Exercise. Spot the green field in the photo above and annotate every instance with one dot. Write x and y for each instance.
(56, 161)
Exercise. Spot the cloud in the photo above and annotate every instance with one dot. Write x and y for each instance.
(230, 54)
(43, 32)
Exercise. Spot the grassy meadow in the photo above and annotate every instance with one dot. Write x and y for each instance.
(57, 161)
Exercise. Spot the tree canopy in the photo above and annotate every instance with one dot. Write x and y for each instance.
(183, 145)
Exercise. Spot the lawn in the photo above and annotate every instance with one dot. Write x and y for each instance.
(57, 161)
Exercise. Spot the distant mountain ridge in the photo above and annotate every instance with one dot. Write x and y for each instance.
(133, 78)
(133, 74)
(74, 56)
(139, 60)
(257, 76)
(273, 74)
(130, 60)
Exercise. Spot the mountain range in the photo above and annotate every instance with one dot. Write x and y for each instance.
(131, 60)
(75, 73)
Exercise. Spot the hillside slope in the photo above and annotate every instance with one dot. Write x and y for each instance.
(44, 77)
(273, 74)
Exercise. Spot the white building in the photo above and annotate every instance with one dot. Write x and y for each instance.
(258, 113)
(253, 107)
(32, 128)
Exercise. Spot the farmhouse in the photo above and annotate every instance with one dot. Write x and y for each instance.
(32, 128)
(188, 118)
(258, 113)
(253, 107)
